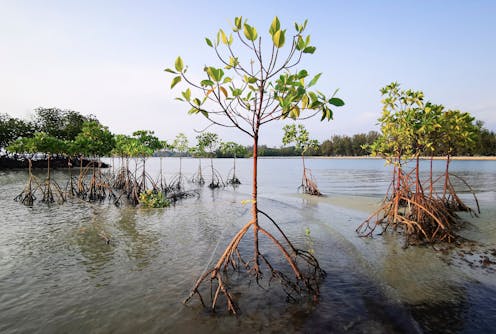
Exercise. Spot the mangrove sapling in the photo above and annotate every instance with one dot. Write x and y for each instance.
(300, 137)
(44, 143)
(94, 140)
(162, 181)
(261, 90)
(209, 143)
(231, 148)
(197, 177)
(457, 131)
(179, 146)
(27, 196)
(147, 144)
(26, 146)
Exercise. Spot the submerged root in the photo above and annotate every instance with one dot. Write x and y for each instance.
(304, 279)
(420, 218)
(217, 181)
(27, 195)
(232, 179)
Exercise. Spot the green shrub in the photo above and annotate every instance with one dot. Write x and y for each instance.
(153, 199)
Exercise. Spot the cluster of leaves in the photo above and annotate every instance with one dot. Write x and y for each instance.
(232, 149)
(239, 86)
(142, 144)
(300, 137)
(12, 128)
(61, 124)
(153, 199)
(94, 140)
(208, 143)
(410, 127)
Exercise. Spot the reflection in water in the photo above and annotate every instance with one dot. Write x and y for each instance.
(140, 243)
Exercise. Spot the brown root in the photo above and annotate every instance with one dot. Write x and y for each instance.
(302, 280)
(420, 218)
(308, 184)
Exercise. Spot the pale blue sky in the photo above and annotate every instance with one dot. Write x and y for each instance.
(107, 57)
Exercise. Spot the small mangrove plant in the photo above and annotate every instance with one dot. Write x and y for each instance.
(235, 150)
(254, 86)
(198, 152)
(301, 138)
(26, 147)
(180, 146)
(210, 142)
(94, 141)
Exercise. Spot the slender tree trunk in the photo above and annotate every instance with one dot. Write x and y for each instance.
(446, 176)
(234, 167)
(304, 170)
(48, 177)
(180, 166)
(431, 188)
(212, 168)
(254, 197)
(144, 175)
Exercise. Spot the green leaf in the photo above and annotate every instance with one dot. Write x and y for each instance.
(216, 73)
(170, 71)
(237, 22)
(179, 64)
(314, 80)
(250, 80)
(279, 38)
(209, 42)
(175, 81)
(302, 74)
(300, 44)
(187, 94)
(207, 83)
(275, 26)
(197, 101)
(223, 36)
(250, 32)
(204, 113)
(336, 102)
(227, 80)
(309, 49)
(294, 112)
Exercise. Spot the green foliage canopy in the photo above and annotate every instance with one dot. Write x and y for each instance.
(248, 92)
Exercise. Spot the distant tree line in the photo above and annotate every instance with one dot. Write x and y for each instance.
(67, 124)
(55, 122)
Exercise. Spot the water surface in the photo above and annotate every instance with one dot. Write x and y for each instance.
(58, 275)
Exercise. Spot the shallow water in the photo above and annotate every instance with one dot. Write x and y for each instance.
(58, 275)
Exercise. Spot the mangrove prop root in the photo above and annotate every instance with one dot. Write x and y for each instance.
(308, 184)
(421, 218)
(301, 281)
(217, 181)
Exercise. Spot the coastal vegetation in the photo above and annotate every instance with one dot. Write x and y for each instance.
(423, 210)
